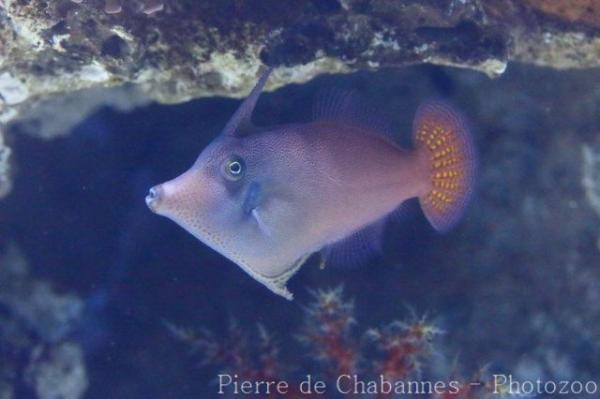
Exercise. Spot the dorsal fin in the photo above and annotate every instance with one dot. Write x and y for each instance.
(240, 123)
(345, 106)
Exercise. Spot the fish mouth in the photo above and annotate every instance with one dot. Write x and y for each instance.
(152, 198)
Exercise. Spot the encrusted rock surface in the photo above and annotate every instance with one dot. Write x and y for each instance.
(193, 49)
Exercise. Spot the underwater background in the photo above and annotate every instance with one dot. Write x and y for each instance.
(99, 298)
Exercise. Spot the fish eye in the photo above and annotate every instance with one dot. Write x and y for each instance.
(234, 168)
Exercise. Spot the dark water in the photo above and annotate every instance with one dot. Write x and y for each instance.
(514, 286)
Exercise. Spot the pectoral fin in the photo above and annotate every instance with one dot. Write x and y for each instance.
(261, 224)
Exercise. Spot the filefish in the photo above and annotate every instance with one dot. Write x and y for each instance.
(267, 198)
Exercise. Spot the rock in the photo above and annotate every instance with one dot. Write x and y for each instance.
(5, 176)
(43, 121)
(51, 316)
(557, 33)
(578, 11)
(591, 175)
(194, 49)
(58, 373)
(116, 6)
(34, 324)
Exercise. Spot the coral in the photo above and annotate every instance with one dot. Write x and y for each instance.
(384, 362)
(35, 322)
(327, 332)
(237, 353)
(394, 352)
(401, 346)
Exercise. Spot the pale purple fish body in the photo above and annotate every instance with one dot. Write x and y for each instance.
(268, 198)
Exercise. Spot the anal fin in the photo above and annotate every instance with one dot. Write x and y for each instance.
(356, 249)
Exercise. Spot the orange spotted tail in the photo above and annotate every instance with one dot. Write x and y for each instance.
(443, 133)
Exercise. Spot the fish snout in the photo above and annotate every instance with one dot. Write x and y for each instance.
(153, 198)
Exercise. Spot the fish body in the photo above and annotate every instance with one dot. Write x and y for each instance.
(268, 198)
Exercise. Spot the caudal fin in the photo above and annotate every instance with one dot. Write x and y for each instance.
(442, 132)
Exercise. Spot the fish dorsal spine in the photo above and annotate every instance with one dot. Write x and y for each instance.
(240, 123)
